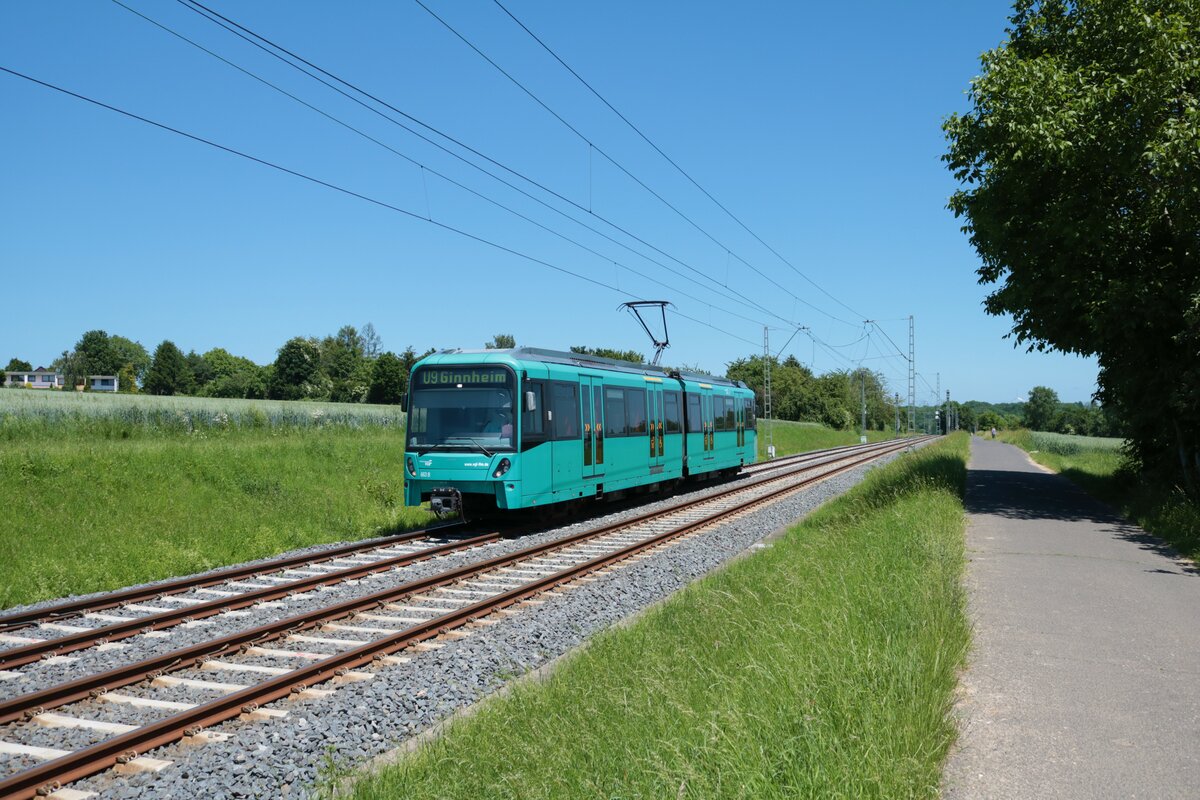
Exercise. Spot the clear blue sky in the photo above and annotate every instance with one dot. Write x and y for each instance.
(818, 125)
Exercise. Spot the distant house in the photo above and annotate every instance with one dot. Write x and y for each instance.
(40, 378)
(103, 383)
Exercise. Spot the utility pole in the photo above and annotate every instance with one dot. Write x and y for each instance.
(948, 424)
(863, 438)
(897, 414)
(912, 376)
(767, 390)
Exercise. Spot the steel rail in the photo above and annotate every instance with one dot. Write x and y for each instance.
(71, 608)
(124, 747)
(81, 688)
(22, 655)
(27, 654)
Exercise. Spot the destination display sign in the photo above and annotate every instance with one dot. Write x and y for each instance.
(462, 376)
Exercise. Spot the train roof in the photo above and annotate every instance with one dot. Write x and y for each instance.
(588, 360)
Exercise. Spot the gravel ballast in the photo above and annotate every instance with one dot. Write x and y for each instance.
(288, 757)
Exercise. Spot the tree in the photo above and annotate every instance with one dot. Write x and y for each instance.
(128, 353)
(17, 365)
(372, 344)
(127, 380)
(609, 352)
(298, 373)
(169, 372)
(96, 354)
(1041, 410)
(1078, 164)
(501, 341)
(389, 380)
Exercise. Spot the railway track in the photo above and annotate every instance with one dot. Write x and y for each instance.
(380, 625)
(105, 620)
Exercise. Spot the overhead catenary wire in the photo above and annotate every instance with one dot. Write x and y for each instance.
(427, 168)
(332, 186)
(670, 160)
(275, 50)
(612, 160)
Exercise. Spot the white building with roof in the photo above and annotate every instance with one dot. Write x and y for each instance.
(40, 378)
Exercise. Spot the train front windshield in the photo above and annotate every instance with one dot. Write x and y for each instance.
(462, 408)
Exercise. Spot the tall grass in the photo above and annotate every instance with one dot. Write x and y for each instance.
(824, 666)
(800, 437)
(28, 413)
(86, 514)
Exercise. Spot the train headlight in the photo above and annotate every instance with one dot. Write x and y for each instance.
(502, 468)
(412, 468)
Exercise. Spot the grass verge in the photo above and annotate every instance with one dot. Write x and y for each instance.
(84, 514)
(1101, 470)
(823, 666)
(800, 437)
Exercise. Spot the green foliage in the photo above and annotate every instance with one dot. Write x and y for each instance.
(17, 365)
(96, 354)
(298, 373)
(833, 399)
(608, 352)
(389, 379)
(169, 372)
(501, 341)
(128, 353)
(1041, 410)
(1079, 163)
(127, 380)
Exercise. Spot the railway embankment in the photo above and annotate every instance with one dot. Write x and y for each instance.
(824, 665)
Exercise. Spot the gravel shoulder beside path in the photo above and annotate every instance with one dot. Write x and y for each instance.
(1082, 682)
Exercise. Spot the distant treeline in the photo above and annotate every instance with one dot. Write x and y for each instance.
(351, 366)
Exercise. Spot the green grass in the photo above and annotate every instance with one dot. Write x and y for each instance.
(83, 514)
(27, 414)
(823, 666)
(1099, 467)
(800, 437)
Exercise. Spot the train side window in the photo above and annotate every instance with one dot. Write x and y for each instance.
(751, 420)
(671, 417)
(533, 423)
(614, 412)
(694, 422)
(564, 407)
(719, 413)
(635, 411)
(730, 416)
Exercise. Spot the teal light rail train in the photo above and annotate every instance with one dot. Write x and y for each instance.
(528, 428)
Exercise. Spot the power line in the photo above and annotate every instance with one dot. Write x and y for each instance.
(621, 166)
(342, 190)
(427, 168)
(271, 47)
(670, 160)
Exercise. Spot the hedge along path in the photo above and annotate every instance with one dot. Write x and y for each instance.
(823, 666)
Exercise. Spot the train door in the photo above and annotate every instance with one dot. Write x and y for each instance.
(591, 392)
(565, 433)
(739, 421)
(654, 426)
(706, 410)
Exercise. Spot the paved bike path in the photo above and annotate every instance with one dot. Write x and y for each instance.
(1084, 680)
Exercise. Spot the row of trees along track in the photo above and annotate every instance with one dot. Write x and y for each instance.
(1079, 163)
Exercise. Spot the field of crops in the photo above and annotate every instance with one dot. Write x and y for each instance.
(28, 413)
(1064, 445)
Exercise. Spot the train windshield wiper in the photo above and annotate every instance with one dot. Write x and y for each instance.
(475, 442)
